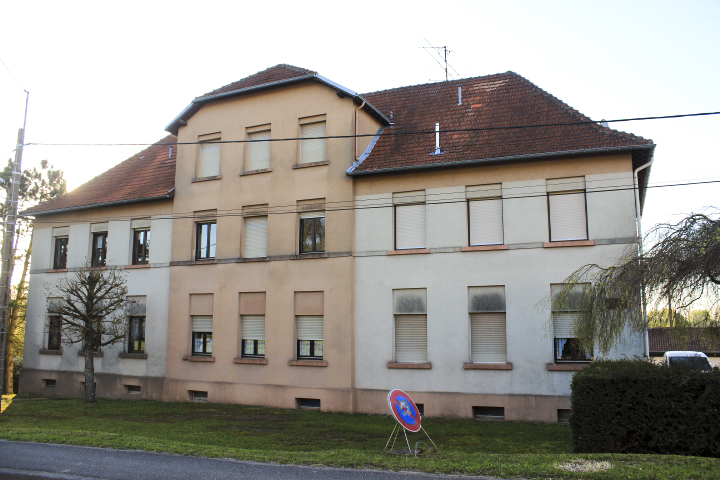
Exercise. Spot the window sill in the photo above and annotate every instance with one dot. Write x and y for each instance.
(57, 270)
(204, 261)
(313, 255)
(251, 361)
(51, 352)
(141, 356)
(205, 179)
(96, 267)
(311, 164)
(95, 354)
(483, 248)
(139, 265)
(308, 363)
(256, 172)
(410, 365)
(198, 358)
(487, 366)
(567, 367)
(570, 243)
(409, 251)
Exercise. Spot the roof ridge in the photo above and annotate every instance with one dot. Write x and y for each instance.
(437, 83)
(285, 66)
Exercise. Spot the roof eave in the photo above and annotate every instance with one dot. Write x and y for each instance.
(166, 196)
(197, 103)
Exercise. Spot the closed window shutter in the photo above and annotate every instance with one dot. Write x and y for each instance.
(564, 324)
(567, 216)
(488, 342)
(202, 323)
(258, 152)
(486, 222)
(312, 150)
(309, 328)
(411, 338)
(253, 327)
(209, 164)
(256, 237)
(410, 226)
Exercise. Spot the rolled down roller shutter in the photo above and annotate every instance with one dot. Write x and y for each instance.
(309, 328)
(312, 150)
(410, 226)
(202, 323)
(258, 151)
(256, 237)
(486, 222)
(567, 216)
(411, 338)
(488, 342)
(564, 324)
(253, 327)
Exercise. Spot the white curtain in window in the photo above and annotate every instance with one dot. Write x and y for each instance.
(209, 161)
(488, 342)
(309, 327)
(253, 327)
(486, 222)
(312, 150)
(256, 237)
(410, 338)
(258, 151)
(567, 216)
(202, 323)
(409, 226)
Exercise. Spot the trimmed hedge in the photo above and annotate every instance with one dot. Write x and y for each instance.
(636, 406)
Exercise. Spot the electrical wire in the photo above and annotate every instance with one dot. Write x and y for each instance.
(387, 133)
(350, 205)
(13, 76)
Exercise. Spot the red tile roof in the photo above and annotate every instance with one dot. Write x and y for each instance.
(696, 339)
(502, 100)
(271, 75)
(149, 174)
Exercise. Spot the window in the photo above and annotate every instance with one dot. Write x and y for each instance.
(313, 149)
(136, 343)
(485, 214)
(566, 313)
(202, 334)
(409, 220)
(312, 232)
(208, 156)
(309, 337)
(258, 150)
(255, 237)
(566, 205)
(205, 240)
(60, 257)
(253, 335)
(54, 332)
(99, 249)
(488, 343)
(410, 311)
(141, 247)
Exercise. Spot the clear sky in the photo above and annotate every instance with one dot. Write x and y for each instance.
(119, 72)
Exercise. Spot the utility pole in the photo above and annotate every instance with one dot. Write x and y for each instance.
(7, 247)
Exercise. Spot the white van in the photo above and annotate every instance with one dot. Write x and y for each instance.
(687, 358)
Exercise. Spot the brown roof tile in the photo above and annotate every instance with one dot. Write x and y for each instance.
(696, 339)
(149, 174)
(501, 100)
(273, 74)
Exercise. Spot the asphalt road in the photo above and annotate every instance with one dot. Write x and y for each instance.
(35, 461)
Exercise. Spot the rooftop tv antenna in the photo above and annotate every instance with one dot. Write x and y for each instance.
(440, 56)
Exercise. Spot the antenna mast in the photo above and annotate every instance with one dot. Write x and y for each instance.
(443, 57)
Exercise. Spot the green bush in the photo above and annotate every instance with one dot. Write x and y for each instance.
(636, 406)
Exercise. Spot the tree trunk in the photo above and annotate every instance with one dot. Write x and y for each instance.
(89, 369)
(14, 323)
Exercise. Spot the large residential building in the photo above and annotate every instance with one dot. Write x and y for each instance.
(314, 247)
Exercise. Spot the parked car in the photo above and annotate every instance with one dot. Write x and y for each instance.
(687, 358)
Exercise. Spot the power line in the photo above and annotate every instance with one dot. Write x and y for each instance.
(352, 205)
(13, 76)
(386, 133)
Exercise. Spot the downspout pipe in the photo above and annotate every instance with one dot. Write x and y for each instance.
(357, 116)
(638, 217)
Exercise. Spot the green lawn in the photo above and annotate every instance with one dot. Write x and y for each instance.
(470, 447)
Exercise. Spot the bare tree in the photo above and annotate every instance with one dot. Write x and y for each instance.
(681, 268)
(92, 304)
